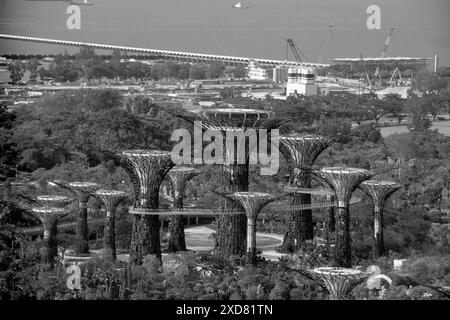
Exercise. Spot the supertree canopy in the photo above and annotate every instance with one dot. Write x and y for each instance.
(339, 282)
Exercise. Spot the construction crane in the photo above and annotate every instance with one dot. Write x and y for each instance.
(383, 52)
(386, 44)
(295, 51)
(365, 72)
(396, 72)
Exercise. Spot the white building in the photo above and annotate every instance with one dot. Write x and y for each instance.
(280, 74)
(255, 72)
(301, 81)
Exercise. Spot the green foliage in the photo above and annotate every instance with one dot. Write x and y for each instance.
(8, 152)
(440, 236)
(16, 71)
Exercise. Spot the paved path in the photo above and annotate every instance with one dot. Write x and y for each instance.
(197, 237)
(197, 234)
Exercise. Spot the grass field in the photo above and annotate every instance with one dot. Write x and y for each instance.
(442, 126)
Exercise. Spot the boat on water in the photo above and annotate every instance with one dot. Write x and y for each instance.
(239, 5)
(83, 3)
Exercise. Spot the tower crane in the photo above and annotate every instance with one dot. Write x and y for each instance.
(396, 72)
(386, 44)
(295, 50)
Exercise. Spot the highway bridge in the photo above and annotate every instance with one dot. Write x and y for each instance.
(167, 54)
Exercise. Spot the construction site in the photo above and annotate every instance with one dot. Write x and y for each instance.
(380, 75)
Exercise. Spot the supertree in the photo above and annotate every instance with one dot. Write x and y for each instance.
(378, 192)
(339, 282)
(149, 168)
(178, 177)
(82, 191)
(231, 229)
(252, 202)
(343, 181)
(50, 211)
(111, 199)
(300, 151)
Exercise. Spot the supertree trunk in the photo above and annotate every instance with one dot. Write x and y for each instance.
(343, 252)
(110, 233)
(177, 240)
(378, 236)
(232, 229)
(145, 235)
(300, 226)
(50, 242)
(251, 241)
(82, 231)
(330, 221)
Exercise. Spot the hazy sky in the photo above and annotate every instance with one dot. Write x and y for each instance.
(213, 26)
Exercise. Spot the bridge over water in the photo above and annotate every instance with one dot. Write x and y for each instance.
(166, 54)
